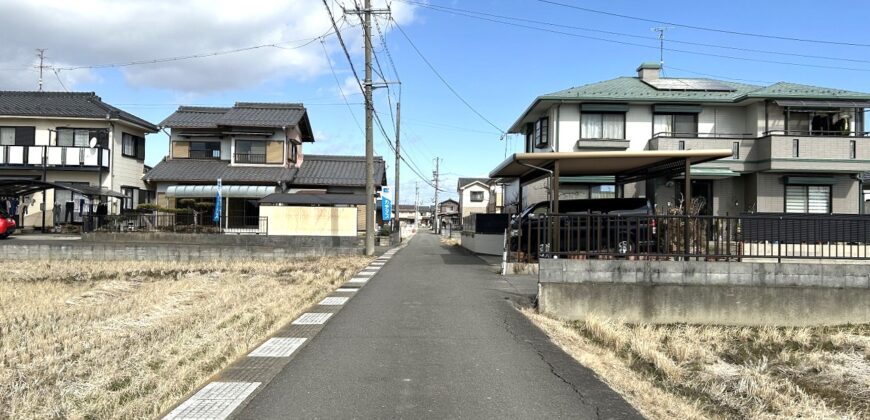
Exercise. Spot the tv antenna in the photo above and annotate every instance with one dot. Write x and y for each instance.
(661, 30)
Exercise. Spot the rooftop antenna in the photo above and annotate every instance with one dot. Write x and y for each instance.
(41, 55)
(661, 30)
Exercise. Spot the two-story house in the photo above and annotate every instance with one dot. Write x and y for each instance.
(796, 148)
(479, 195)
(255, 150)
(448, 214)
(75, 139)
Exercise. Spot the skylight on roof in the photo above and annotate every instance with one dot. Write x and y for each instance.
(701, 85)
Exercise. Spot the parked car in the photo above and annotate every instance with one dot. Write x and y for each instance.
(7, 225)
(580, 227)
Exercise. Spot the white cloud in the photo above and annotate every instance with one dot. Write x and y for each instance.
(88, 32)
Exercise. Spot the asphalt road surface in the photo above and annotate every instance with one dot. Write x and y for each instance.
(434, 335)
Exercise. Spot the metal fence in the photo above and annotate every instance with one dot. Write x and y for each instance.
(178, 223)
(486, 223)
(677, 237)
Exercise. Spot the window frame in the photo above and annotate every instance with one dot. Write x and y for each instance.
(102, 135)
(138, 146)
(473, 194)
(601, 120)
(673, 117)
(217, 149)
(542, 133)
(236, 151)
(806, 196)
(22, 135)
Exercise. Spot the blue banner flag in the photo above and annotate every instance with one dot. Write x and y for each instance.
(386, 209)
(217, 203)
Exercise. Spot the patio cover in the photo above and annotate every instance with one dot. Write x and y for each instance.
(12, 187)
(230, 191)
(626, 166)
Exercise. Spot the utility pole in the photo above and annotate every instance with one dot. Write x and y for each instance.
(435, 173)
(398, 163)
(417, 204)
(370, 107)
(41, 55)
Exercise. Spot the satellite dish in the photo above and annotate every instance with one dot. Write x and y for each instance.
(93, 143)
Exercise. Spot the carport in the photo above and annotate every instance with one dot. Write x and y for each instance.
(19, 187)
(625, 166)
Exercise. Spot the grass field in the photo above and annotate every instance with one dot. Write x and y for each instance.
(128, 339)
(688, 371)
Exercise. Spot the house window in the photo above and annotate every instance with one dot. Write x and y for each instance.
(814, 199)
(795, 148)
(602, 191)
(477, 196)
(294, 152)
(250, 151)
(681, 145)
(128, 200)
(676, 125)
(81, 137)
(735, 150)
(133, 146)
(542, 132)
(7, 136)
(205, 150)
(602, 126)
(17, 136)
(852, 150)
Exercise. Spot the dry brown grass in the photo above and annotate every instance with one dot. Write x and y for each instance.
(128, 339)
(689, 371)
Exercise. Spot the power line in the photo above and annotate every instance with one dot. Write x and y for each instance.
(464, 12)
(307, 41)
(443, 80)
(571, 34)
(338, 84)
(702, 28)
(57, 74)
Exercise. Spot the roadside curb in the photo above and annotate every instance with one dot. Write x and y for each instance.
(233, 387)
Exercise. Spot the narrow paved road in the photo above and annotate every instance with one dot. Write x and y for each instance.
(434, 335)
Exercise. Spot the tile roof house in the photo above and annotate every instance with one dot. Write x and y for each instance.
(255, 150)
(73, 138)
(796, 148)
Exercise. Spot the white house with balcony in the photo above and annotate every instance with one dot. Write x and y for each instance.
(76, 139)
(796, 148)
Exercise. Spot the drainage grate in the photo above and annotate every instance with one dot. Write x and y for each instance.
(331, 301)
(346, 289)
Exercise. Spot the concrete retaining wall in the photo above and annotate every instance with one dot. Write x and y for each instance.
(150, 238)
(482, 243)
(706, 292)
(161, 252)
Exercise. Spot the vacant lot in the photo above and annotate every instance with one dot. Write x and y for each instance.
(687, 371)
(127, 339)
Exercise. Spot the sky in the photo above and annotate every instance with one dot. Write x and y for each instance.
(491, 59)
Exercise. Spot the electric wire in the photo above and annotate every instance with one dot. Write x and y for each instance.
(702, 28)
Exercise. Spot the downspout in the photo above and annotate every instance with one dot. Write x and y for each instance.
(111, 160)
(549, 190)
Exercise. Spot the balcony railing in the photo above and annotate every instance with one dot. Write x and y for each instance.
(250, 158)
(696, 135)
(827, 133)
(204, 154)
(54, 156)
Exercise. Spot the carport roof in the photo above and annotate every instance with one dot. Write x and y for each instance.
(627, 166)
(11, 187)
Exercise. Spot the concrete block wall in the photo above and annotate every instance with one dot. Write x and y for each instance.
(735, 293)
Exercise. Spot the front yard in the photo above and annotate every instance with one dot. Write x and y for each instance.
(128, 339)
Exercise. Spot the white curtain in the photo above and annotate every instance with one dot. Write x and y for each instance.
(590, 126)
(614, 126)
(663, 124)
(7, 136)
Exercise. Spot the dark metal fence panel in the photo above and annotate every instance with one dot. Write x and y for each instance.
(691, 237)
(489, 223)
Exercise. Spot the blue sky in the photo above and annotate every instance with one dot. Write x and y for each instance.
(498, 68)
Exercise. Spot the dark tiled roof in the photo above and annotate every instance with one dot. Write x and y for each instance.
(465, 181)
(314, 199)
(316, 170)
(64, 104)
(242, 114)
